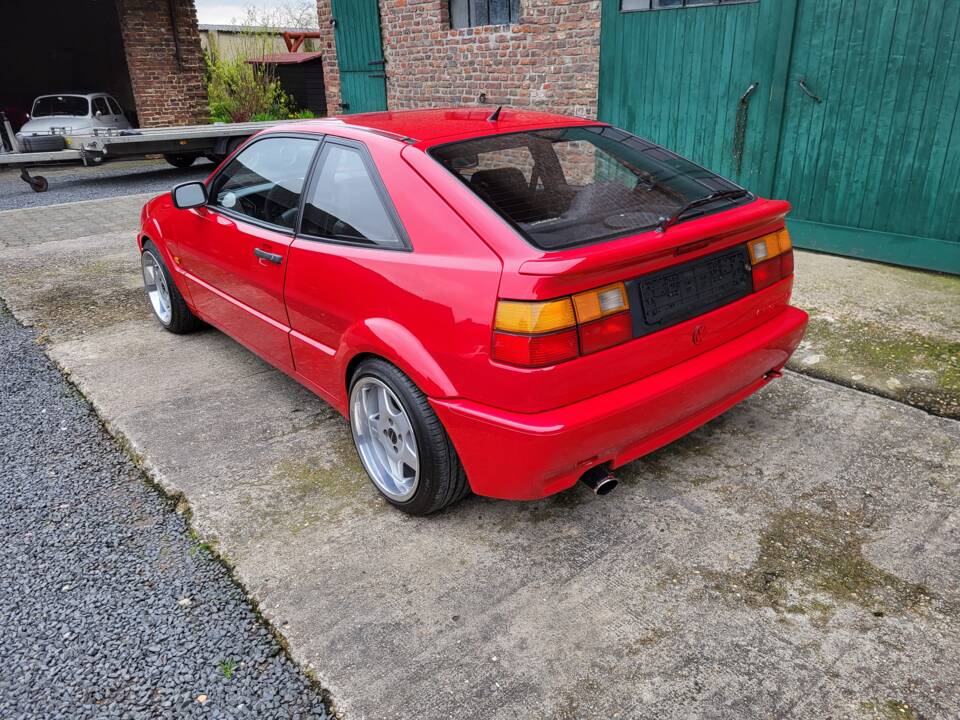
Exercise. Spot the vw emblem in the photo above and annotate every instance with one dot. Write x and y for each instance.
(698, 334)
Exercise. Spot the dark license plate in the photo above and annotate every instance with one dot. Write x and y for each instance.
(684, 291)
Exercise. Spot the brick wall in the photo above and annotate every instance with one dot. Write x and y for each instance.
(166, 92)
(327, 46)
(547, 61)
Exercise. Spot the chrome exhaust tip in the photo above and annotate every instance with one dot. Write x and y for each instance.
(600, 480)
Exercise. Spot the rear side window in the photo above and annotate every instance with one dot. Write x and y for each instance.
(345, 202)
(573, 186)
(100, 106)
(265, 180)
(114, 107)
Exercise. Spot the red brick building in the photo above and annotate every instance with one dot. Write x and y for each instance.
(162, 46)
(146, 53)
(540, 54)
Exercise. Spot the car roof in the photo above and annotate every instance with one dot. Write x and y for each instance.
(88, 96)
(426, 127)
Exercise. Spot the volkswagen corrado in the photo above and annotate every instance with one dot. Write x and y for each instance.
(504, 303)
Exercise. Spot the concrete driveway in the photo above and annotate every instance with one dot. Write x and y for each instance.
(797, 557)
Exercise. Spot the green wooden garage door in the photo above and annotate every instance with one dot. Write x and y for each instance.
(356, 31)
(867, 148)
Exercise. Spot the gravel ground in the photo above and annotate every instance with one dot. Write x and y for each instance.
(111, 180)
(107, 607)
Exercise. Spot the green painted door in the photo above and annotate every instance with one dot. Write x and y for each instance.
(679, 77)
(363, 86)
(870, 145)
(867, 149)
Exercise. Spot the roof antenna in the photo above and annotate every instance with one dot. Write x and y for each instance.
(495, 115)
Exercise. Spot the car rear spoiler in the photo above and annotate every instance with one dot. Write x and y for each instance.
(754, 218)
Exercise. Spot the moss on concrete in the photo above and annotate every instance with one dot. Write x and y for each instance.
(322, 486)
(808, 557)
(889, 709)
(919, 369)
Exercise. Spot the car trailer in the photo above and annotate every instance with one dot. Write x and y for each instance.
(181, 145)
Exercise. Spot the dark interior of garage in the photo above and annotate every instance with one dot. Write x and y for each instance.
(62, 46)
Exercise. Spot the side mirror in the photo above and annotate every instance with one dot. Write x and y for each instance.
(189, 195)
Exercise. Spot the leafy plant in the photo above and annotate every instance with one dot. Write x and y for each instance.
(228, 667)
(239, 90)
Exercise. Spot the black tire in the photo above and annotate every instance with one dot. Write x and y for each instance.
(39, 184)
(181, 160)
(442, 479)
(42, 143)
(182, 319)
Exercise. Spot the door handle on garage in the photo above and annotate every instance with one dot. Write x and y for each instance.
(740, 127)
(268, 256)
(806, 91)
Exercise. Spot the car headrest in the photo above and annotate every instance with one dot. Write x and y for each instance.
(500, 185)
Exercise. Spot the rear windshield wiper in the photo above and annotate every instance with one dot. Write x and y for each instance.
(666, 222)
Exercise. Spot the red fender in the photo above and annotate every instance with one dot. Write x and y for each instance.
(396, 344)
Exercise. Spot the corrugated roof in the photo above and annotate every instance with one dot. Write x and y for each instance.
(286, 58)
(251, 29)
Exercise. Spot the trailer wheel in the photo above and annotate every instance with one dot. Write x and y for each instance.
(39, 183)
(181, 160)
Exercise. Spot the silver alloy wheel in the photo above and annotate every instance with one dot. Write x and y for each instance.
(385, 439)
(155, 284)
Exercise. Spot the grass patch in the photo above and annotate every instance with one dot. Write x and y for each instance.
(228, 667)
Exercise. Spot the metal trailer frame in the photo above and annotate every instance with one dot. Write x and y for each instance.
(216, 140)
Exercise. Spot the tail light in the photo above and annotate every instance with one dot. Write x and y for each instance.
(535, 334)
(772, 258)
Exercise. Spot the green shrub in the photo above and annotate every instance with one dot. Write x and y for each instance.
(239, 91)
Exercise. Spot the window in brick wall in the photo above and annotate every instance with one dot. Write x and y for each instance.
(471, 13)
(633, 5)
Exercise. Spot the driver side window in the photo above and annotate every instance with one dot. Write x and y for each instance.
(265, 180)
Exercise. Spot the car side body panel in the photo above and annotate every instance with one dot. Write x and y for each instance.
(423, 309)
(230, 286)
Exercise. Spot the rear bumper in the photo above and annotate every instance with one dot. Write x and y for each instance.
(523, 456)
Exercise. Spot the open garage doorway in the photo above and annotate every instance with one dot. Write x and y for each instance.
(145, 53)
(62, 47)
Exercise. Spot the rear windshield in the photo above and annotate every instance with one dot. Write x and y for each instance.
(572, 186)
(61, 105)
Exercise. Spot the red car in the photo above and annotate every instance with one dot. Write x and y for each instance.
(505, 303)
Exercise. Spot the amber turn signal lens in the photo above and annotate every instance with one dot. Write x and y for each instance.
(534, 317)
(601, 302)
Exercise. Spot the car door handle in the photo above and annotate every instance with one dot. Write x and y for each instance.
(268, 256)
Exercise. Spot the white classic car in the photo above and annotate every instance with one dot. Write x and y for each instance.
(70, 114)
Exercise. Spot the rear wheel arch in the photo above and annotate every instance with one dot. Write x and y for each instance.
(388, 340)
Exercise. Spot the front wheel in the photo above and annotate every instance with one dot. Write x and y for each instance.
(165, 299)
(401, 443)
